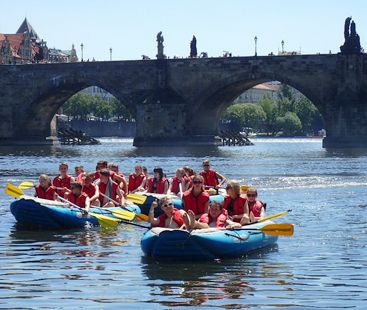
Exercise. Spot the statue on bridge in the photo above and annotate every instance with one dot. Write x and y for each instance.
(193, 49)
(160, 40)
(352, 43)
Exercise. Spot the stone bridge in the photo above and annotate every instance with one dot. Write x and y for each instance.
(179, 101)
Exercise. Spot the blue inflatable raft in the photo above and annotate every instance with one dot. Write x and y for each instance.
(205, 244)
(47, 214)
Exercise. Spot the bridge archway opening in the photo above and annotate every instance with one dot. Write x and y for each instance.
(97, 112)
(268, 108)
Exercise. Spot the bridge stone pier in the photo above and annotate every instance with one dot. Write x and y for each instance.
(180, 101)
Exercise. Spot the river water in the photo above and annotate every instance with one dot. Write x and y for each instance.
(323, 266)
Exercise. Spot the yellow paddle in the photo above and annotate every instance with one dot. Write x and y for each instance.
(26, 185)
(131, 214)
(103, 220)
(274, 229)
(13, 190)
(122, 214)
(136, 198)
(273, 216)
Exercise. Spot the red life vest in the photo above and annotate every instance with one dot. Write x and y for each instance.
(89, 190)
(62, 182)
(102, 189)
(135, 181)
(220, 221)
(177, 218)
(159, 186)
(195, 203)
(238, 206)
(47, 193)
(255, 207)
(175, 188)
(210, 177)
(79, 201)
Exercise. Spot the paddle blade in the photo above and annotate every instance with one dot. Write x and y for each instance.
(138, 199)
(274, 216)
(142, 217)
(124, 214)
(105, 221)
(26, 185)
(13, 190)
(278, 229)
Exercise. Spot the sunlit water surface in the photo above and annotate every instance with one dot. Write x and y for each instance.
(323, 266)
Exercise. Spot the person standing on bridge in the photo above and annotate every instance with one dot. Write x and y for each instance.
(211, 177)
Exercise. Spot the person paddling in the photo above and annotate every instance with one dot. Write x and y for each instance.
(118, 177)
(78, 197)
(107, 187)
(91, 189)
(63, 181)
(171, 217)
(177, 180)
(45, 190)
(136, 180)
(158, 184)
(256, 207)
(236, 204)
(212, 179)
(216, 217)
(196, 199)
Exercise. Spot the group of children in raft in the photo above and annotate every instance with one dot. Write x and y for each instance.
(107, 187)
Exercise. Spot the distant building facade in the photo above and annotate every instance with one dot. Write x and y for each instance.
(258, 92)
(97, 91)
(25, 46)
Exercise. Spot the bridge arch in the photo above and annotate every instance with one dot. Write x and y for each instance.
(221, 94)
(46, 102)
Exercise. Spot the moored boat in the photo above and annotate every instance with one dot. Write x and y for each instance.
(47, 214)
(205, 244)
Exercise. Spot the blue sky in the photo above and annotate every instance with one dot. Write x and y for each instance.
(130, 27)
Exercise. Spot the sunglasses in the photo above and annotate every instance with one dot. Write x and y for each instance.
(251, 195)
(197, 182)
(206, 165)
(167, 204)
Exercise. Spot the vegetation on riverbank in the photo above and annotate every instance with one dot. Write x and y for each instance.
(83, 105)
(290, 114)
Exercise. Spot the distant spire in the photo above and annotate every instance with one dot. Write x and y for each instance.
(27, 27)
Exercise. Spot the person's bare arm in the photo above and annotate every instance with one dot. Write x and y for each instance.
(152, 220)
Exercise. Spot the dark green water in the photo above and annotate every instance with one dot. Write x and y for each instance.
(323, 266)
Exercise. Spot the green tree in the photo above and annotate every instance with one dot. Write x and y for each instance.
(233, 115)
(119, 110)
(102, 108)
(253, 116)
(270, 108)
(309, 115)
(290, 124)
(78, 105)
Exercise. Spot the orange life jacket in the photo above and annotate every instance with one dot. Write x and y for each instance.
(175, 188)
(210, 177)
(195, 203)
(177, 218)
(47, 193)
(89, 190)
(102, 189)
(62, 182)
(135, 181)
(159, 185)
(255, 207)
(234, 207)
(79, 201)
(220, 221)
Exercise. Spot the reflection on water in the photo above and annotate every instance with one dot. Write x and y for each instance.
(322, 266)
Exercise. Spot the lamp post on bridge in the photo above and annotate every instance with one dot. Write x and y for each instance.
(110, 53)
(282, 46)
(255, 45)
(81, 47)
